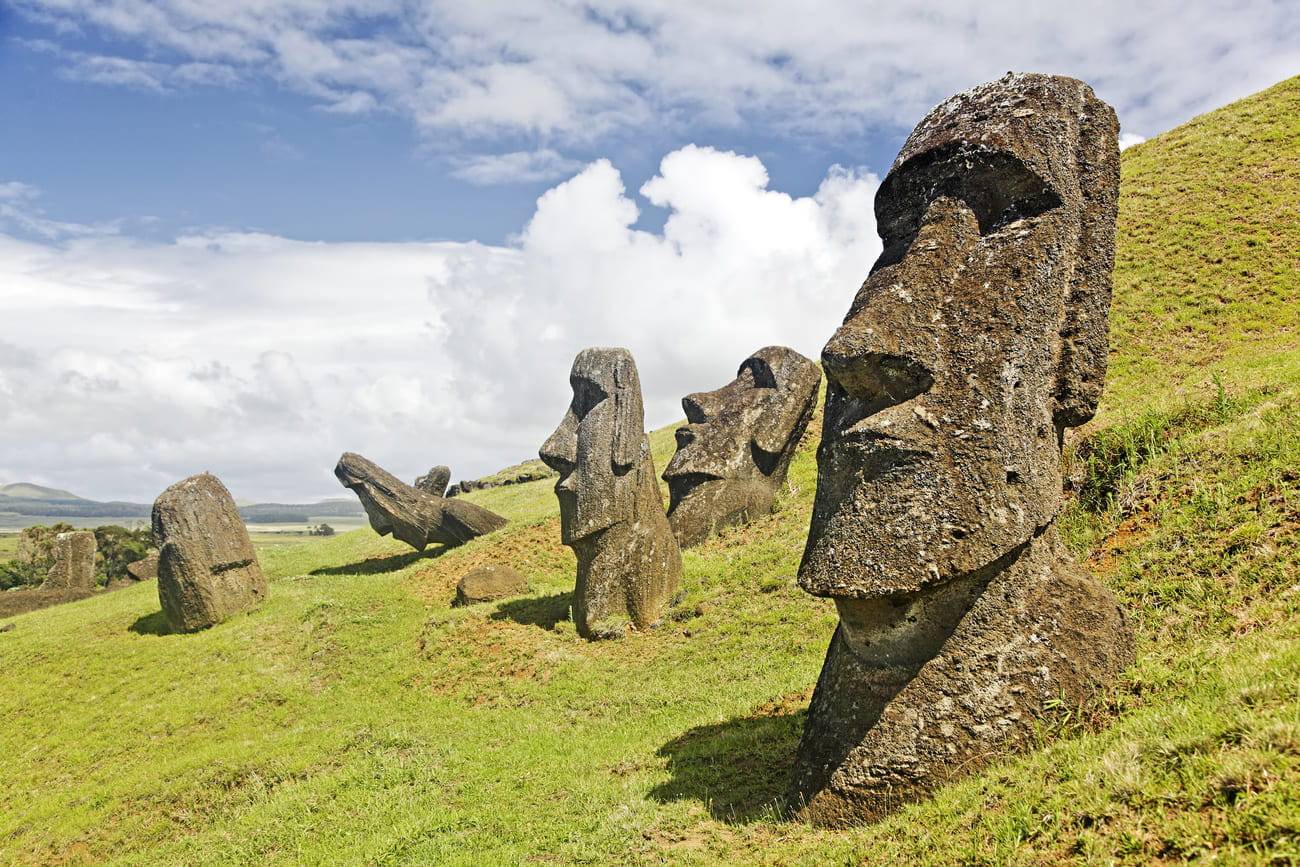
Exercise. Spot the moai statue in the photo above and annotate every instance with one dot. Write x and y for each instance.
(74, 562)
(736, 446)
(611, 512)
(435, 481)
(977, 340)
(207, 570)
(414, 515)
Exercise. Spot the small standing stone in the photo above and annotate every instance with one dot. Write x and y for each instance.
(207, 570)
(74, 562)
(435, 481)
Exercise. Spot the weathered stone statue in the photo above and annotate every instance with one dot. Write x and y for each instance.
(435, 481)
(74, 562)
(415, 516)
(611, 512)
(207, 570)
(736, 447)
(977, 340)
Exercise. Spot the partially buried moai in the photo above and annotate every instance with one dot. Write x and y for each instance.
(977, 340)
(611, 511)
(735, 448)
(207, 570)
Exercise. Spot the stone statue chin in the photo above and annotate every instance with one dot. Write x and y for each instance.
(737, 443)
(977, 339)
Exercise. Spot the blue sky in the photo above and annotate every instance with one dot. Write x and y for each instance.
(246, 236)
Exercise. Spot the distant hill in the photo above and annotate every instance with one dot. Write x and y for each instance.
(26, 499)
(27, 491)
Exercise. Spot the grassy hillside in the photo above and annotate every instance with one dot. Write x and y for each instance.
(357, 717)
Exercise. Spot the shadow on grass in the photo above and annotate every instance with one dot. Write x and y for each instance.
(377, 565)
(739, 769)
(150, 624)
(543, 611)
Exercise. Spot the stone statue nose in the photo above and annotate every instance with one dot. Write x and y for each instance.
(865, 372)
(699, 407)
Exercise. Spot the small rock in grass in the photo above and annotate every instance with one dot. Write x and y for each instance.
(488, 584)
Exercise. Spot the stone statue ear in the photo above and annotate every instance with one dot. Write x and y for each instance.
(629, 414)
(1084, 333)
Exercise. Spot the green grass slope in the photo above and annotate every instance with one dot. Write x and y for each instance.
(356, 717)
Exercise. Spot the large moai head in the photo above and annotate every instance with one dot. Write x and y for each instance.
(977, 339)
(207, 569)
(611, 511)
(979, 336)
(735, 448)
(599, 442)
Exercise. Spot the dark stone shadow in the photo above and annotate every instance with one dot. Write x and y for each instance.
(377, 565)
(151, 624)
(740, 769)
(541, 611)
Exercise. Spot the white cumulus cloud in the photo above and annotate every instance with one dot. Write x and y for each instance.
(126, 364)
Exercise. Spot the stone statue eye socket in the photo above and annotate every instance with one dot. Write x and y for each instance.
(997, 186)
(587, 395)
(758, 372)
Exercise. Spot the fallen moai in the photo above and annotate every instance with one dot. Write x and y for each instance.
(410, 514)
(74, 562)
(488, 584)
(207, 570)
(611, 512)
(978, 339)
(735, 448)
(435, 481)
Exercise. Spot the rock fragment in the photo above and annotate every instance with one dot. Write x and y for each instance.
(488, 584)
(145, 569)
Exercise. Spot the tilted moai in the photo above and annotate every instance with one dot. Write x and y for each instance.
(611, 512)
(414, 515)
(977, 340)
(207, 570)
(74, 562)
(736, 446)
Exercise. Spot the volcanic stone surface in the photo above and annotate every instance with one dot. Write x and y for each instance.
(74, 562)
(207, 570)
(735, 448)
(435, 481)
(488, 584)
(977, 340)
(611, 512)
(145, 569)
(410, 514)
